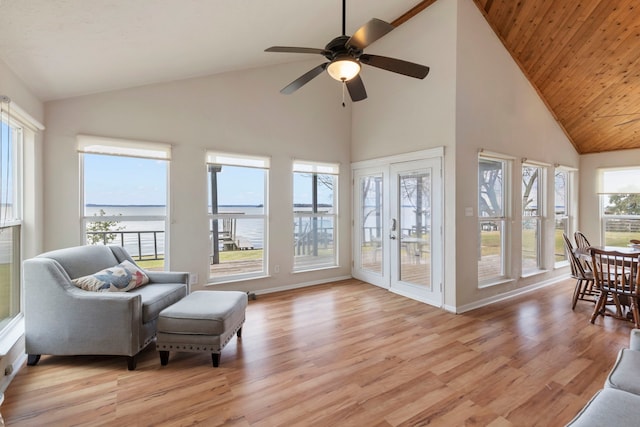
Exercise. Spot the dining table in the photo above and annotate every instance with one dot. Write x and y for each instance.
(585, 254)
(621, 304)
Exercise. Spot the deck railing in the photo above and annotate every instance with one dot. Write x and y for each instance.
(139, 248)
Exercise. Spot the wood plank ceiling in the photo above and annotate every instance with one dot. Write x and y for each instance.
(583, 58)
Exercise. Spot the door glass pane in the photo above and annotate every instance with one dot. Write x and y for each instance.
(371, 241)
(414, 227)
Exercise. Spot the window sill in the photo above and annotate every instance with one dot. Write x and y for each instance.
(235, 279)
(307, 270)
(494, 283)
(10, 336)
(533, 273)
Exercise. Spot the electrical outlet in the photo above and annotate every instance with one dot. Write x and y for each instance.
(193, 278)
(276, 268)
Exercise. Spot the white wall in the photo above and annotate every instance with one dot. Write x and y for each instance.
(404, 115)
(589, 200)
(240, 112)
(497, 110)
(474, 97)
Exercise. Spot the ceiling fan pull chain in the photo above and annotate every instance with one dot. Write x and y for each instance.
(344, 86)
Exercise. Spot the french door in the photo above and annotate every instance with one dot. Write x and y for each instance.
(398, 227)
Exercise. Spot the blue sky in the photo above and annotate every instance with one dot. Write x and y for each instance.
(114, 180)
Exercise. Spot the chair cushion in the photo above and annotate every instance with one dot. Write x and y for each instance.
(204, 313)
(609, 407)
(155, 298)
(625, 374)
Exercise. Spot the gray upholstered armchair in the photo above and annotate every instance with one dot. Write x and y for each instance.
(63, 319)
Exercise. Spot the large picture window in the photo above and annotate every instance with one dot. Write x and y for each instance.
(238, 215)
(11, 138)
(315, 191)
(620, 205)
(493, 214)
(124, 197)
(532, 217)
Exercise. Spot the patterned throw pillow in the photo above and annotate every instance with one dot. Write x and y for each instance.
(121, 278)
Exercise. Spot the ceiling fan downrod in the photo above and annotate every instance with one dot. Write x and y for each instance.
(344, 19)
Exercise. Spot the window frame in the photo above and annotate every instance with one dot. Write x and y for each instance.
(607, 189)
(504, 220)
(14, 224)
(568, 215)
(216, 158)
(130, 149)
(539, 217)
(316, 168)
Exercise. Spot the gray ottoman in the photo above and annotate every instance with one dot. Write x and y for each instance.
(203, 321)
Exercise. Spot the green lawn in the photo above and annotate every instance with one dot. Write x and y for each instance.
(616, 238)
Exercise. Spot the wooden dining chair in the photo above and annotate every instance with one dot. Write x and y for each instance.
(616, 276)
(634, 242)
(581, 239)
(584, 289)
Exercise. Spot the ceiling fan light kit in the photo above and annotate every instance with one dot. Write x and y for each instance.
(343, 68)
(345, 56)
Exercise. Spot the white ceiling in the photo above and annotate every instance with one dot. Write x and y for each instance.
(65, 48)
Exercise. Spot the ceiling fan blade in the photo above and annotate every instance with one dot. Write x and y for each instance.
(396, 65)
(368, 33)
(356, 89)
(303, 79)
(288, 49)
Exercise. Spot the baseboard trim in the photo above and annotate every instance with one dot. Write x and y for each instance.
(511, 294)
(300, 285)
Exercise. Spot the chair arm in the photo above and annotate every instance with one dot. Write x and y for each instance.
(168, 277)
(634, 340)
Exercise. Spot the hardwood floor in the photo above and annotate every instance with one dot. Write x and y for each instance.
(346, 353)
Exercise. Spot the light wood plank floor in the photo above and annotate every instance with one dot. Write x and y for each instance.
(346, 354)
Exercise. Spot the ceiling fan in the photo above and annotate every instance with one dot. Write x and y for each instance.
(345, 56)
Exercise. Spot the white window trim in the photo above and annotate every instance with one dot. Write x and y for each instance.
(247, 161)
(506, 219)
(319, 168)
(540, 217)
(103, 146)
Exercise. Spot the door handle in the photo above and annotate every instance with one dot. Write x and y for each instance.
(393, 224)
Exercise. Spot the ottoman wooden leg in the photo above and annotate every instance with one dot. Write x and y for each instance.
(215, 358)
(239, 333)
(164, 357)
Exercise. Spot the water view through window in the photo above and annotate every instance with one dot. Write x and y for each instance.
(129, 208)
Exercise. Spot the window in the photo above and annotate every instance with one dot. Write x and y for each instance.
(562, 213)
(532, 217)
(124, 197)
(10, 217)
(493, 213)
(620, 205)
(315, 188)
(238, 215)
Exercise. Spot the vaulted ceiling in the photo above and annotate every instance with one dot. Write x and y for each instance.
(582, 56)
